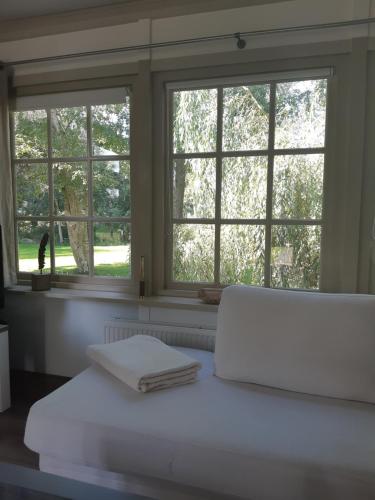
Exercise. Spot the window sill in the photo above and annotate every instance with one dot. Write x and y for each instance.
(173, 302)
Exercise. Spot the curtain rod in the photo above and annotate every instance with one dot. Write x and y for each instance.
(186, 41)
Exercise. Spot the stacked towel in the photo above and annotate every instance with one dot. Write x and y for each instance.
(145, 363)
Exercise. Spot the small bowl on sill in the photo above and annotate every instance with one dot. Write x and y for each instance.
(210, 295)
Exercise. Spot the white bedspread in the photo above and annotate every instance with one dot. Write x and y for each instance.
(145, 363)
(226, 437)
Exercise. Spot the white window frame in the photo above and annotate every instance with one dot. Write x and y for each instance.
(79, 98)
(220, 83)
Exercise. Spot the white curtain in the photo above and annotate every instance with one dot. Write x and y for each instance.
(6, 187)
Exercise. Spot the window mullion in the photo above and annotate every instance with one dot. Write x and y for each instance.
(219, 160)
(90, 193)
(169, 190)
(271, 156)
(51, 192)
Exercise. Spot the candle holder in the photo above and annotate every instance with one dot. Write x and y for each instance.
(142, 278)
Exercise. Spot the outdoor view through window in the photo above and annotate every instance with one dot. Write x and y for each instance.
(72, 179)
(247, 172)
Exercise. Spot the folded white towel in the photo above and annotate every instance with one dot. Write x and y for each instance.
(145, 363)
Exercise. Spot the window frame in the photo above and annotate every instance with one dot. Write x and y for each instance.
(220, 83)
(71, 280)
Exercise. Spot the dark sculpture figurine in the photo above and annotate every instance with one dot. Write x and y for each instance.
(41, 282)
(42, 252)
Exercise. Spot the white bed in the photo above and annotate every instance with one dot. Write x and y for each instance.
(220, 436)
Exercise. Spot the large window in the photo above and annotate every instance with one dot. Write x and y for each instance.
(71, 161)
(246, 163)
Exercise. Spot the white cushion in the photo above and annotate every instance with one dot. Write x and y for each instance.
(308, 342)
(221, 436)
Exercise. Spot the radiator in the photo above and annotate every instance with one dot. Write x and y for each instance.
(180, 336)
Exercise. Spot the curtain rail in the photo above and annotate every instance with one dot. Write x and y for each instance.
(186, 41)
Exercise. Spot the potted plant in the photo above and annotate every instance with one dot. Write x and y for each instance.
(39, 281)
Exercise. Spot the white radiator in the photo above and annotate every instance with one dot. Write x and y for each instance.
(181, 336)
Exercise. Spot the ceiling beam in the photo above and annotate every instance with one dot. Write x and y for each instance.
(111, 15)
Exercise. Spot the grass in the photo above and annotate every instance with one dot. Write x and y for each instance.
(29, 251)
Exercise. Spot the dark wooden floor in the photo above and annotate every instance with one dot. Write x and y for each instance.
(26, 388)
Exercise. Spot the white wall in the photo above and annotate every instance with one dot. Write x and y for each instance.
(50, 335)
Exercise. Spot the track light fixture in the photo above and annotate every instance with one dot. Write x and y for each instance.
(241, 43)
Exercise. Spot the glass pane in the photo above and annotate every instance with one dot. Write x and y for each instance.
(32, 189)
(295, 256)
(301, 114)
(242, 254)
(30, 134)
(298, 186)
(246, 117)
(70, 188)
(194, 121)
(193, 252)
(244, 188)
(71, 247)
(111, 188)
(69, 132)
(111, 128)
(29, 235)
(112, 250)
(194, 187)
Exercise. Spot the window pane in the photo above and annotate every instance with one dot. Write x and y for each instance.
(70, 189)
(194, 121)
(112, 250)
(193, 252)
(194, 187)
(298, 186)
(246, 117)
(71, 247)
(32, 189)
(111, 188)
(111, 128)
(69, 132)
(300, 114)
(242, 254)
(30, 134)
(295, 256)
(244, 188)
(29, 234)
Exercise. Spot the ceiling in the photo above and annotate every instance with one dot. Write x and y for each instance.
(13, 9)
(22, 19)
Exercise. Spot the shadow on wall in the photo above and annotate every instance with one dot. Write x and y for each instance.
(26, 320)
(50, 335)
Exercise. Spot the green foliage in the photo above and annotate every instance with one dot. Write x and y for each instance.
(111, 179)
(111, 128)
(30, 134)
(297, 183)
(111, 186)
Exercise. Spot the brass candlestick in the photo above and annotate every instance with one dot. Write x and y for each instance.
(142, 278)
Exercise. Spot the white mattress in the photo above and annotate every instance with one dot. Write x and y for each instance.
(228, 437)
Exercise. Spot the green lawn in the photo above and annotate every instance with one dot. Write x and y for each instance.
(29, 252)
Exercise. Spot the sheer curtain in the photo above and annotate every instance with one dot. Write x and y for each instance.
(6, 188)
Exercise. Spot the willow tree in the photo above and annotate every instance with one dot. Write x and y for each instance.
(297, 182)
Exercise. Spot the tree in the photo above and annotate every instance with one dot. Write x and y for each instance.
(111, 180)
(298, 181)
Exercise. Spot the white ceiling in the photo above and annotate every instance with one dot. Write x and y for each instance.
(13, 9)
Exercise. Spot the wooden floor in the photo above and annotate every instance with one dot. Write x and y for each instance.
(26, 388)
